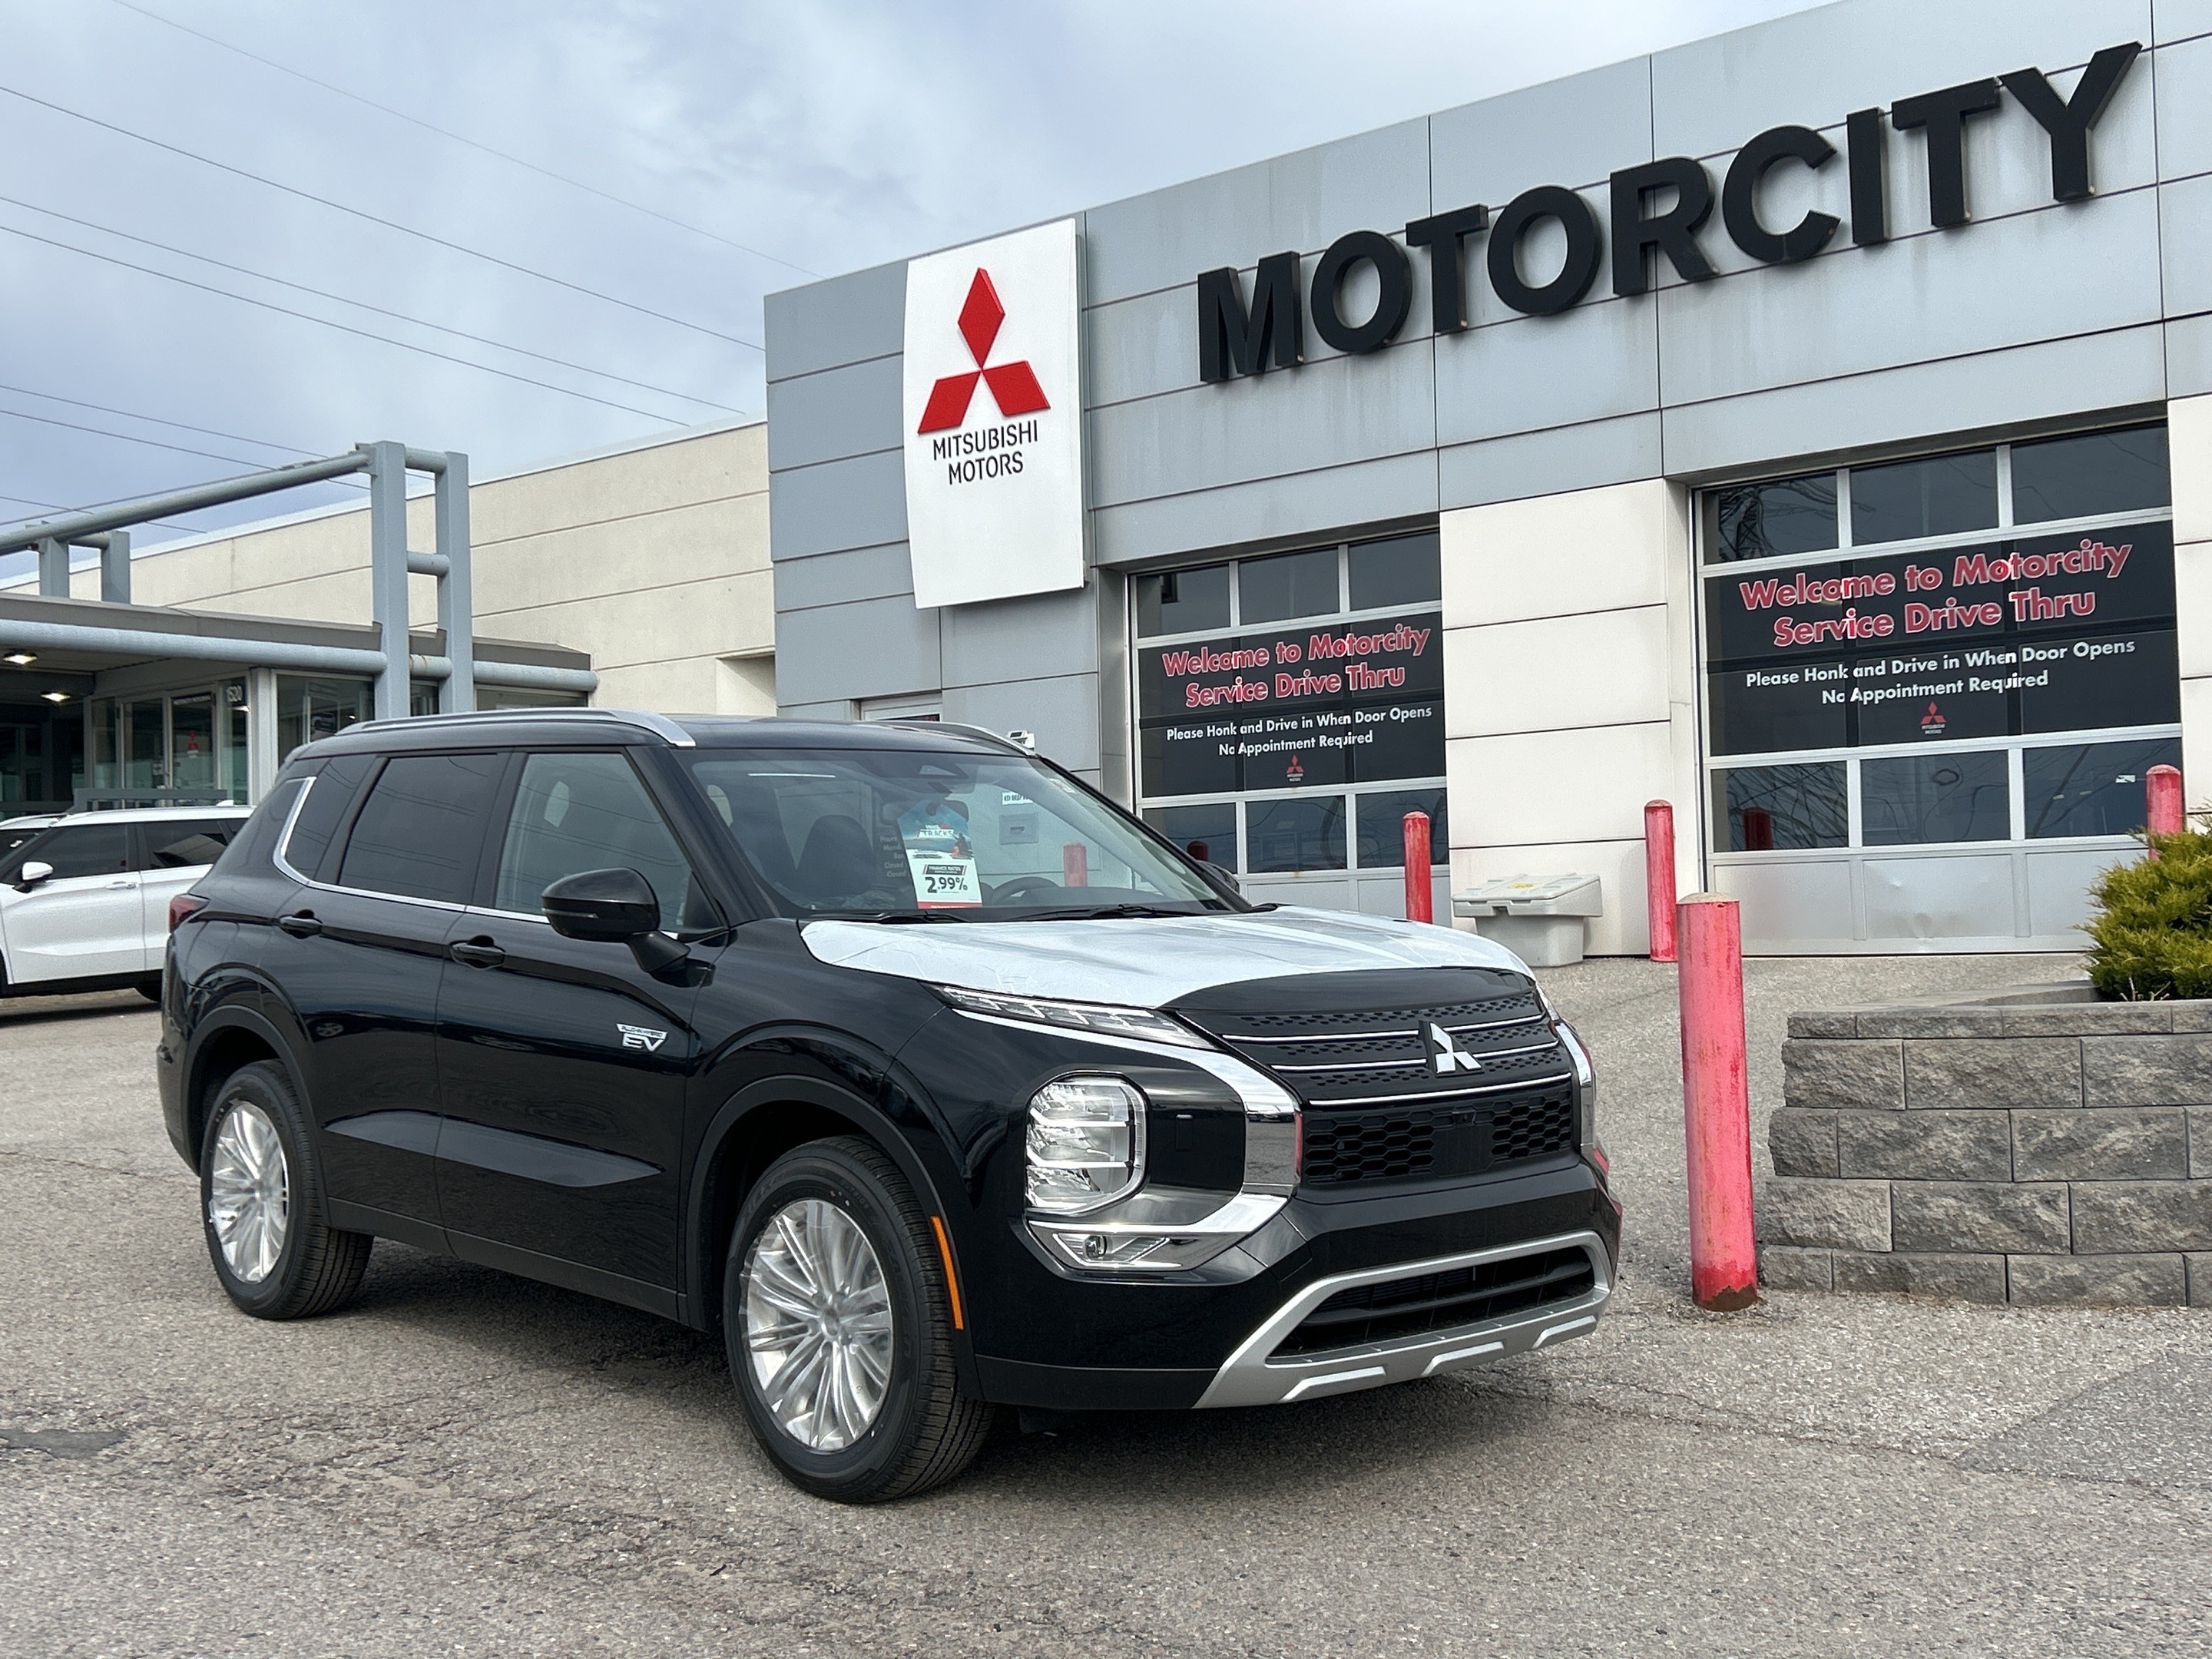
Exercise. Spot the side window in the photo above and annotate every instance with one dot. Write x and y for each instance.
(330, 793)
(92, 849)
(577, 812)
(249, 847)
(420, 828)
(180, 843)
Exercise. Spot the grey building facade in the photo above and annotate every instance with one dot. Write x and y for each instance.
(1965, 314)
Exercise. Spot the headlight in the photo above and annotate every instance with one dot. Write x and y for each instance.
(1105, 1018)
(1085, 1144)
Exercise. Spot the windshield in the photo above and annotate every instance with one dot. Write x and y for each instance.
(915, 834)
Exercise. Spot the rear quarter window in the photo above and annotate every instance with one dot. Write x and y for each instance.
(256, 838)
(330, 793)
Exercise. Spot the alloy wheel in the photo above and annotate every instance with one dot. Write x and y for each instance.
(818, 1329)
(249, 1193)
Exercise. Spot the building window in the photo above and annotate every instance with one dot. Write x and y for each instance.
(1290, 707)
(1958, 649)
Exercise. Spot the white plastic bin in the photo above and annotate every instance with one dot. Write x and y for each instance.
(1542, 923)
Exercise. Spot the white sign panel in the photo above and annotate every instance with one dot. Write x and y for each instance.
(994, 419)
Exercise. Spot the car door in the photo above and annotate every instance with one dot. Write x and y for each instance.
(84, 922)
(172, 855)
(386, 854)
(563, 1063)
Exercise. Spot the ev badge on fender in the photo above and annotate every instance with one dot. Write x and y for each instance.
(642, 1036)
(1449, 1056)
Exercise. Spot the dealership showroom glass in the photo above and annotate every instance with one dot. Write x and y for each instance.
(1806, 426)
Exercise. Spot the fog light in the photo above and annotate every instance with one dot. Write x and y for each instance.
(1085, 1145)
(1140, 1252)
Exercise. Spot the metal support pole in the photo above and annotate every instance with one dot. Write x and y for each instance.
(1659, 876)
(115, 568)
(2162, 803)
(1420, 881)
(456, 597)
(262, 760)
(53, 567)
(1717, 1105)
(387, 572)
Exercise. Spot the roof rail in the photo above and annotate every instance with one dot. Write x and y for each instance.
(659, 725)
(998, 737)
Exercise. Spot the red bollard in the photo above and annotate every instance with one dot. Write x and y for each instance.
(1420, 891)
(1659, 876)
(1075, 865)
(2162, 785)
(1717, 1105)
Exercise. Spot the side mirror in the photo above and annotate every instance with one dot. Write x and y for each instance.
(32, 874)
(1225, 877)
(614, 907)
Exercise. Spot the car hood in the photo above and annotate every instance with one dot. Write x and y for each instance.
(1144, 961)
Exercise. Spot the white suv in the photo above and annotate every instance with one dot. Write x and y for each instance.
(84, 902)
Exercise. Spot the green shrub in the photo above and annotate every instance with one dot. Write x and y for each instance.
(2154, 924)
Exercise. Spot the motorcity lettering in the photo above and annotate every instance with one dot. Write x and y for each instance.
(1349, 677)
(990, 451)
(2027, 604)
(1655, 213)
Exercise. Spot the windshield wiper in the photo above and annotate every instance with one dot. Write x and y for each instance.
(1097, 912)
(948, 914)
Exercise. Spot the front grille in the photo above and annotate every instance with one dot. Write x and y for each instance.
(1440, 1301)
(1442, 1142)
(1357, 1051)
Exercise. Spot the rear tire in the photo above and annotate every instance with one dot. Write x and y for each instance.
(839, 1325)
(262, 1205)
(150, 989)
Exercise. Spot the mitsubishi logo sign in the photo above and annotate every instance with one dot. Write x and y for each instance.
(993, 419)
(1446, 1055)
(1013, 386)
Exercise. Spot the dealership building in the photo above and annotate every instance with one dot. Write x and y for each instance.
(1807, 426)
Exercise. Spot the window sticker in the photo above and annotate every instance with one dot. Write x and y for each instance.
(939, 857)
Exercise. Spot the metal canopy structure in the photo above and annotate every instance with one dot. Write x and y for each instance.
(455, 670)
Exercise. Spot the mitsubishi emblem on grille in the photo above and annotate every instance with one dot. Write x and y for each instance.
(1446, 1053)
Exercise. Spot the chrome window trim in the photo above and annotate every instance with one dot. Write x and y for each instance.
(1250, 1376)
(284, 836)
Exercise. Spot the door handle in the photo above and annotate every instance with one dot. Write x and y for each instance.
(117, 886)
(303, 925)
(478, 952)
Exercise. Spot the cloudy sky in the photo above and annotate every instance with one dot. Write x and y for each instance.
(236, 232)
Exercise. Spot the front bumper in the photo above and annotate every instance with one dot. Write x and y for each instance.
(1083, 1343)
(1255, 1375)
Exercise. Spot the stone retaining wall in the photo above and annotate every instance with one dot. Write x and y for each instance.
(2032, 1146)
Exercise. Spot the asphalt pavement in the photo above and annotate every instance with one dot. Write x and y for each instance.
(466, 1463)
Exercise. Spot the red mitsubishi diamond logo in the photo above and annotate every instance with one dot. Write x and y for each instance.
(1013, 386)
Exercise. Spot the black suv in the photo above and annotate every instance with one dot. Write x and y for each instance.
(929, 1076)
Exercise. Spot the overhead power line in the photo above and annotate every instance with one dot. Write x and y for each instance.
(382, 311)
(473, 143)
(363, 215)
(129, 438)
(133, 415)
(344, 328)
(55, 506)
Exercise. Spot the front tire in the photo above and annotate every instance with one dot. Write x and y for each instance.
(838, 1321)
(262, 1204)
